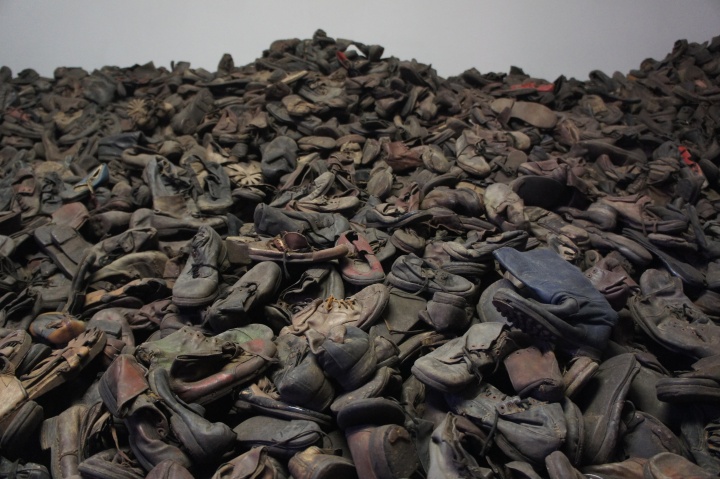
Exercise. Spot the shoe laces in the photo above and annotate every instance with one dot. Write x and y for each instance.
(440, 274)
(268, 387)
(491, 434)
(377, 244)
(712, 433)
(429, 275)
(7, 267)
(423, 287)
(38, 280)
(472, 368)
(645, 213)
(22, 201)
(195, 268)
(244, 350)
(331, 301)
(49, 186)
(682, 311)
(480, 147)
(118, 449)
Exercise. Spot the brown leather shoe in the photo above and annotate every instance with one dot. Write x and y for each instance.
(535, 373)
(382, 452)
(667, 465)
(63, 364)
(313, 463)
(252, 359)
(257, 462)
(532, 113)
(254, 289)
(361, 310)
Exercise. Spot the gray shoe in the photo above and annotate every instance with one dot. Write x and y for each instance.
(280, 437)
(251, 291)
(671, 319)
(416, 275)
(347, 355)
(299, 378)
(450, 449)
(197, 284)
(322, 229)
(602, 402)
(527, 430)
(455, 364)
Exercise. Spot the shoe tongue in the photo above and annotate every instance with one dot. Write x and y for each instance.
(200, 239)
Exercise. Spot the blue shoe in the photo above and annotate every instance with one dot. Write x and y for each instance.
(97, 177)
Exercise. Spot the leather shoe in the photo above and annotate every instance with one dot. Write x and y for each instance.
(564, 308)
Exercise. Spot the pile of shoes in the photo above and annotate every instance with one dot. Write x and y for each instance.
(330, 263)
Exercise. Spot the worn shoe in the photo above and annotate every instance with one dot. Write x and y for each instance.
(204, 441)
(382, 452)
(322, 229)
(667, 465)
(601, 402)
(416, 275)
(505, 208)
(298, 377)
(203, 369)
(347, 355)
(280, 437)
(314, 463)
(361, 310)
(527, 430)
(667, 316)
(261, 398)
(251, 291)
(563, 308)
(455, 364)
(197, 284)
(534, 114)
(451, 446)
(447, 313)
(700, 384)
(63, 364)
(361, 267)
(255, 462)
(535, 373)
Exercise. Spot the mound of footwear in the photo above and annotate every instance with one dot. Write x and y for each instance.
(331, 263)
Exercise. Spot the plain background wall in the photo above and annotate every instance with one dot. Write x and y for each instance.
(546, 38)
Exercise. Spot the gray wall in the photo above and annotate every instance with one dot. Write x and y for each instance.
(544, 37)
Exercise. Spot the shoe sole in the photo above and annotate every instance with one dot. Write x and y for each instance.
(416, 218)
(286, 411)
(363, 280)
(687, 390)
(194, 302)
(578, 375)
(535, 324)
